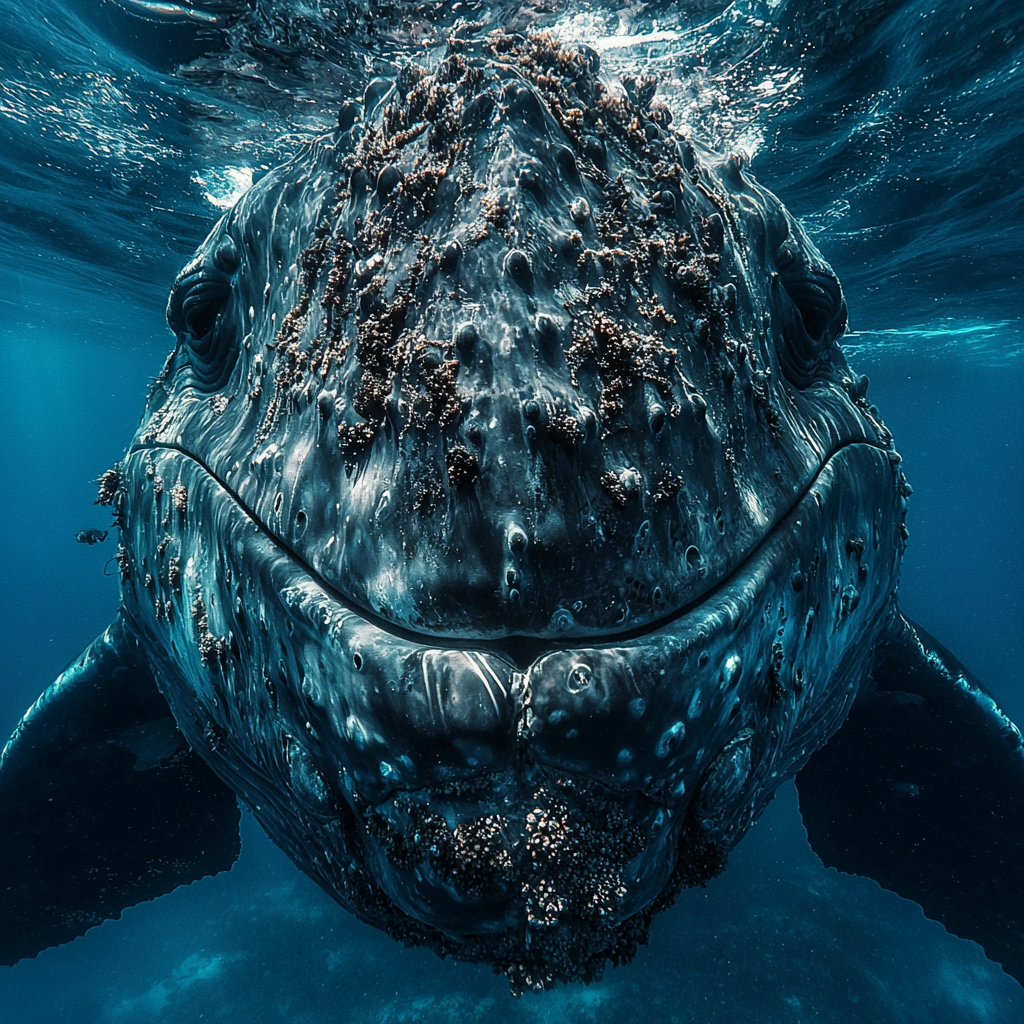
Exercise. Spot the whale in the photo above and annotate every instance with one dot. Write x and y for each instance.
(504, 528)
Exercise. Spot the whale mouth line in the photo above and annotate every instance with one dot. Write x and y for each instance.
(520, 649)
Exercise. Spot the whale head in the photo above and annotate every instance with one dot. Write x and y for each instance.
(507, 520)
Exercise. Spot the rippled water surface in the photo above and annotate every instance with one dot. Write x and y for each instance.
(893, 130)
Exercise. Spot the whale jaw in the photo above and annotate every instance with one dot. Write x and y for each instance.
(533, 811)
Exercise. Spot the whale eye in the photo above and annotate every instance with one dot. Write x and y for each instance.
(195, 313)
(811, 309)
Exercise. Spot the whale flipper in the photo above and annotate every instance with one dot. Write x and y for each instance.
(102, 803)
(923, 790)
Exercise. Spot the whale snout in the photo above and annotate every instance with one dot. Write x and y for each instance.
(630, 717)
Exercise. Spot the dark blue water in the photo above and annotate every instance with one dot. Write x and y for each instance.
(892, 129)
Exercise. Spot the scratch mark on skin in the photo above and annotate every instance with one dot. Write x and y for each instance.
(483, 679)
(426, 683)
(493, 675)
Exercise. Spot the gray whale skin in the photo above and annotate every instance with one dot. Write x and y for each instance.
(505, 527)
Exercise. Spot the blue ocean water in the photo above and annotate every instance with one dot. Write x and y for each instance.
(892, 130)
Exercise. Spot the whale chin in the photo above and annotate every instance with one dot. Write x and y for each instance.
(544, 874)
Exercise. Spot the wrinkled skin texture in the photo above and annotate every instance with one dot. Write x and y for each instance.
(507, 548)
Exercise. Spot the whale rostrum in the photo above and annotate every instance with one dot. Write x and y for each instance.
(504, 529)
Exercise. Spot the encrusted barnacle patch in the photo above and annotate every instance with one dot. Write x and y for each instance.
(213, 650)
(462, 466)
(355, 437)
(179, 498)
(474, 857)
(564, 428)
(124, 563)
(625, 358)
(432, 395)
(668, 486)
(218, 404)
(108, 483)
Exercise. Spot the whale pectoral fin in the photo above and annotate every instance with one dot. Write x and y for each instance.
(923, 790)
(102, 803)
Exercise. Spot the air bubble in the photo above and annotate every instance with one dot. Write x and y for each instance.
(450, 256)
(387, 181)
(517, 266)
(325, 403)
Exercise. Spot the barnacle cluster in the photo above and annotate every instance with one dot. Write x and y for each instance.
(424, 140)
(562, 863)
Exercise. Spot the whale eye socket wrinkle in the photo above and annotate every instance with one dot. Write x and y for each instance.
(810, 309)
(196, 312)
